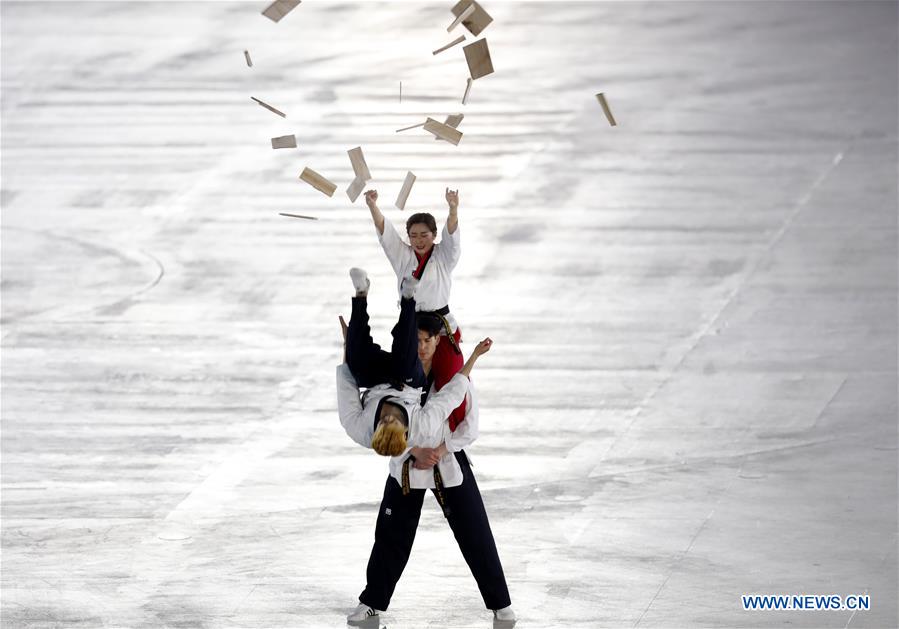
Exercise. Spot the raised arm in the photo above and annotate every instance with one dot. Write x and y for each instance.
(439, 405)
(480, 349)
(371, 199)
(452, 200)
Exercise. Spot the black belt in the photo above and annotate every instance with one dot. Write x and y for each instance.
(438, 485)
(441, 314)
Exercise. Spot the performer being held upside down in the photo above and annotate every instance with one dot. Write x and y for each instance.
(425, 453)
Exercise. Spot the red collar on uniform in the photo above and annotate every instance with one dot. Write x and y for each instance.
(422, 263)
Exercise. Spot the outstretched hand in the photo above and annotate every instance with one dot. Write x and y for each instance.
(483, 347)
(452, 199)
(480, 349)
(371, 198)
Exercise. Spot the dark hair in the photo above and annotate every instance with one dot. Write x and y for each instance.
(426, 322)
(422, 217)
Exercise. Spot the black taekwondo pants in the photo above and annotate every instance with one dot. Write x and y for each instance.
(370, 364)
(395, 532)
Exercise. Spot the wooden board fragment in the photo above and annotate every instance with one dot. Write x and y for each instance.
(458, 40)
(318, 182)
(477, 21)
(461, 16)
(405, 190)
(360, 168)
(451, 121)
(478, 57)
(355, 188)
(468, 83)
(310, 218)
(246, 54)
(601, 97)
(454, 120)
(443, 131)
(279, 8)
(284, 142)
(420, 124)
(269, 107)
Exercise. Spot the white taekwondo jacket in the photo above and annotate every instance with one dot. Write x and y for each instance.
(433, 292)
(428, 426)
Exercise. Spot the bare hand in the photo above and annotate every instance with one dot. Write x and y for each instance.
(371, 198)
(425, 458)
(483, 347)
(343, 327)
(452, 199)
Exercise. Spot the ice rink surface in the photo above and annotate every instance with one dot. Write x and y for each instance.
(692, 395)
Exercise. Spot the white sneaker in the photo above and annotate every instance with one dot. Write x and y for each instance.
(361, 613)
(360, 281)
(409, 286)
(505, 614)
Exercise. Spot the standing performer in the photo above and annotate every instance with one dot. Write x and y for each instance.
(433, 452)
(433, 264)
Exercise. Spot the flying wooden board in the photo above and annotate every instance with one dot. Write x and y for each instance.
(269, 107)
(462, 16)
(477, 21)
(478, 57)
(279, 8)
(309, 218)
(468, 83)
(318, 182)
(355, 188)
(451, 121)
(284, 142)
(414, 126)
(443, 131)
(458, 40)
(405, 190)
(601, 97)
(360, 168)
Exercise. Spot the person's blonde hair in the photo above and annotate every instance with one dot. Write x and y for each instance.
(389, 439)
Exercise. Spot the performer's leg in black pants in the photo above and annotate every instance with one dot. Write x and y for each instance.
(468, 519)
(406, 364)
(370, 364)
(394, 534)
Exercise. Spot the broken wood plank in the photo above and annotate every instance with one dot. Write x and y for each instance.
(284, 142)
(456, 41)
(360, 168)
(462, 16)
(355, 188)
(451, 121)
(269, 107)
(421, 124)
(405, 190)
(601, 97)
(478, 57)
(318, 182)
(477, 21)
(443, 131)
(468, 83)
(310, 218)
(279, 8)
